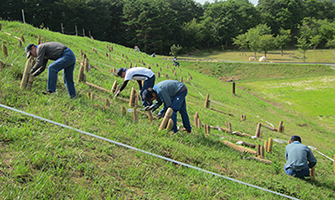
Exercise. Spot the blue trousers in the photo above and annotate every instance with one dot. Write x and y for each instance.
(66, 63)
(299, 174)
(179, 105)
(149, 83)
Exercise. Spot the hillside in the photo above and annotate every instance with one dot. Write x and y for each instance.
(55, 153)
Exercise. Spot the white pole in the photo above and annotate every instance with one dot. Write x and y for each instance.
(24, 21)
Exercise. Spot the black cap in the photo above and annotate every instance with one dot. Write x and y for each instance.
(147, 95)
(28, 48)
(295, 138)
(120, 70)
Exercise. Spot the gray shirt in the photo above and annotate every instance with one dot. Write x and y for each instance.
(299, 157)
(46, 51)
(166, 91)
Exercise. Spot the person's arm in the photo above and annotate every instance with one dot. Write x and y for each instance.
(157, 104)
(38, 69)
(139, 84)
(311, 158)
(123, 85)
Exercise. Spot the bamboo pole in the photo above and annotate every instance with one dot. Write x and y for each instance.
(243, 117)
(262, 151)
(240, 134)
(97, 87)
(207, 101)
(229, 127)
(221, 111)
(269, 127)
(39, 40)
(258, 150)
(181, 79)
(244, 143)
(19, 43)
(259, 160)
(22, 38)
(114, 87)
(233, 87)
(266, 146)
(270, 144)
(196, 116)
(107, 102)
(135, 115)
(258, 131)
(238, 148)
(81, 73)
(199, 123)
(169, 125)
(4, 50)
(166, 118)
(26, 73)
(158, 74)
(30, 82)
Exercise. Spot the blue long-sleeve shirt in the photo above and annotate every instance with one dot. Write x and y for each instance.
(299, 156)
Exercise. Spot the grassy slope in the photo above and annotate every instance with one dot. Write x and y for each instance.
(41, 160)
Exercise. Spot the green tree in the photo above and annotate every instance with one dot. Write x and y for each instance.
(253, 36)
(303, 46)
(242, 42)
(191, 35)
(175, 49)
(266, 43)
(331, 43)
(315, 41)
(282, 39)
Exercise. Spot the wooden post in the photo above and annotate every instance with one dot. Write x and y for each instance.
(258, 150)
(30, 82)
(158, 74)
(312, 173)
(92, 97)
(19, 42)
(196, 116)
(132, 98)
(229, 127)
(262, 152)
(169, 125)
(114, 87)
(4, 50)
(88, 95)
(123, 111)
(108, 103)
(166, 118)
(243, 118)
(266, 146)
(199, 123)
(270, 144)
(39, 40)
(2, 65)
(258, 131)
(181, 79)
(22, 39)
(233, 87)
(208, 129)
(167, 76)
(238, 148)
(81, 73)
(26, 73)
(135, 115)
(280, 128)
(207, 101)
(150, 116)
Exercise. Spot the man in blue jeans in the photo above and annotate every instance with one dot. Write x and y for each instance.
(173, 94)
(299, 158)
(64, 59)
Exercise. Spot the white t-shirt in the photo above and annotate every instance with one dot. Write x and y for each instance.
(138, 73)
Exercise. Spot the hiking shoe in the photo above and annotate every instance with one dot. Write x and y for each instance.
(184, 129)
(47, 92)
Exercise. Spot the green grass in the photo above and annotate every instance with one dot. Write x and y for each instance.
(40, 160)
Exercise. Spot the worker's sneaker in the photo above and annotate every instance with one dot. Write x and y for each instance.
(184, 129)
(48, 92)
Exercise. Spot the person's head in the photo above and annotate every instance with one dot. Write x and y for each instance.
(149, 95)
(295, 138)
(31, 50)
(122, 72)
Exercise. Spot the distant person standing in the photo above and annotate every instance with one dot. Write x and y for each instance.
(172, 93)
(175, 62)
(136, 48)
(139, 74)
(153, 55)
(64, 59)
(299, 158)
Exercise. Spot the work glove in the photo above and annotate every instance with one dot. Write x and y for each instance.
(147, 108)
(117, 94)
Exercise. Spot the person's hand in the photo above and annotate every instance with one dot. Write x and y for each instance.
(147, 108)
(160, 115)
(117, 94)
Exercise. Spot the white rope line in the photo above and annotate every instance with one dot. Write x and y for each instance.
(146, 152)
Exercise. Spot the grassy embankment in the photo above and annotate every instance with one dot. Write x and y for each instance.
(42, 160)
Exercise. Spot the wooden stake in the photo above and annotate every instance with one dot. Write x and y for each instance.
(39, 40)
(20, 43)
(233, 87)
(266, 146)
(30, 82)
(92, 97)
(169, 125)
(181, 79)
(158, 74)
(239, 133)
(2, 65)
(258, 131)
(123, 111)
(22, 39)
(4, 50)
(167, 76)
(114, 87)
(199, 123)
(269, 127)
(259, 160)
(262, 151)
(135, 115)
(258, 150)
(150, 116)
(207, 101)
(270, 144)
(280, 128)
(97, 87)
(26, 73)
(108, 103)
(312, 173)
(243, 118)
(166, 118)
(132, 98)
(238, 148)
(196, 116)
(229, 127)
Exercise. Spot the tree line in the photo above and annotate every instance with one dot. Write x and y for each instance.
(159, 25)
